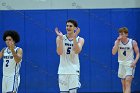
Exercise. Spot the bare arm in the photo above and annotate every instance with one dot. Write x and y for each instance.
(17, 56)
(116, 45)
(59, 43)
(78, 45)
(1, 53)
(136, 49)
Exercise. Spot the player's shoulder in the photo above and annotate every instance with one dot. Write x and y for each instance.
(81, 39)
(3, 49)
(134, 42)
(64, 36)
(19, 49)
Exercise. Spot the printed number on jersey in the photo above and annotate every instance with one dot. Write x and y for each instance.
(7, 62)
(68, 50)
(124, 53)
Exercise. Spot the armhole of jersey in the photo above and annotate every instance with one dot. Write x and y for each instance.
(65, 37)
(3, 49)
(78, 38)
(17, 49)
(132, 43)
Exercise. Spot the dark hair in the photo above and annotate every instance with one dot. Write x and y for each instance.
(123, 29)
(13, 34)
(73, 22)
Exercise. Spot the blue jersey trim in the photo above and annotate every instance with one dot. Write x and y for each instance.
(68, 38)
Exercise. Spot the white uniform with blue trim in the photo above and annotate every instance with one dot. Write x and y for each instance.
(69, 67)
(11, 77)
(125, 58)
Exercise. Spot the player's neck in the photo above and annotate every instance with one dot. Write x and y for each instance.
(70, 35)
(125, 40)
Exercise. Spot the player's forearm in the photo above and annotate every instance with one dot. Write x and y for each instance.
(137, 58)
(60, 47)
(1, 55)
(114, 50)
(16, 57)
(76, 47)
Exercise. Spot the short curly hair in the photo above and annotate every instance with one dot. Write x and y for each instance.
(15, 36)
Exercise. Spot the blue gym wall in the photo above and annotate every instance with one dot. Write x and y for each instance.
(40, 60)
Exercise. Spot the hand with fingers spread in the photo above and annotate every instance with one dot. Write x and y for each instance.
(77, 31)
(59, 33)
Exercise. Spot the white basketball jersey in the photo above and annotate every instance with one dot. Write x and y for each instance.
(69, 61)
(126, 52)
(10, 67)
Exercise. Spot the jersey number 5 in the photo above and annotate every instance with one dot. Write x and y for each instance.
(7, 61)
(68, 50)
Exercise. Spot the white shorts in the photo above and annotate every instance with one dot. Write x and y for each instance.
(68, 82)
(10, 83)
(125, 70)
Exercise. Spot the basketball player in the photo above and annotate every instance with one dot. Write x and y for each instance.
(12, 57)
(126, 48)
(68, 47)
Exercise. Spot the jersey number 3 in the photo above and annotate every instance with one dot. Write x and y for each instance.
(68, 50)
(7, 61)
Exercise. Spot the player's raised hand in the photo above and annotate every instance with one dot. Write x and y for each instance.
(119, 38)
(59, 33)
(77, 31)
(11, 45)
